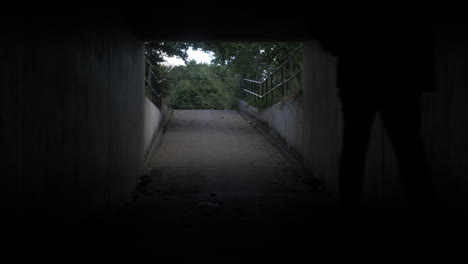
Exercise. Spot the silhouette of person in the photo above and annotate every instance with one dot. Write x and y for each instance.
(385, 62)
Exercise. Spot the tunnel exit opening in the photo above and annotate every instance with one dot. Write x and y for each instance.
(214, 105)
(218, 168)
(229, 71)
(238, 84)
(72, 132)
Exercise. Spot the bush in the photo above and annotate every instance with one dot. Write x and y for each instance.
(202, 86)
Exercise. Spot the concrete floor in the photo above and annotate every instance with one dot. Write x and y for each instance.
(209, 151)
(222, 192)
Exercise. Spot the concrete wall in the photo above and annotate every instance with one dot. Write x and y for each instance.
(321, 115)
(73, 135)
(152, 123)
(283, 118)
(445, 120)
(444, 126)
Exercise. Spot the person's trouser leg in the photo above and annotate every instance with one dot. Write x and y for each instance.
(358, 115)
(401, 118)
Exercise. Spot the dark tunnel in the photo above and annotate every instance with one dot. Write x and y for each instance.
(377, 172)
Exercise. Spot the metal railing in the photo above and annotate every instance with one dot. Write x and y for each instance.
(284, 80)
(152, 85)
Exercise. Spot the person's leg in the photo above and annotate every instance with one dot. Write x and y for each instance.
(358, 114)
(401, 118)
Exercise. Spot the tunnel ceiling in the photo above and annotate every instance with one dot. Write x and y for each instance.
(219, 32)
(176, 21)
(246, 20)
(198, 20)
(221, 24)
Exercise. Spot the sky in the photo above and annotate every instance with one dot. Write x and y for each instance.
(197, 55)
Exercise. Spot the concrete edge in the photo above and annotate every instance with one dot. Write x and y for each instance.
(158, 136)
(263, 129)
(273, 132)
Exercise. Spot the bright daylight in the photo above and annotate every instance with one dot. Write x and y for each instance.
(197, 55)
(207, 75)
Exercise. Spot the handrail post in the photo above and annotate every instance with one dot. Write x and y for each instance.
(263, 92)
(292, 79)
(268, 88)
(245, 93)
(244, 87)
(260, 91)
(274, 80)
(241, 90)
(282, 81)
(271, 87)
(256, 91)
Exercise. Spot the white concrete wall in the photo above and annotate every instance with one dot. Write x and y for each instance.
(322, 115)
(285, 118)
(152, 123)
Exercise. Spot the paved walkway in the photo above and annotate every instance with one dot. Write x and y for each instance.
(219, 151)
(221, 192)
(218, 184)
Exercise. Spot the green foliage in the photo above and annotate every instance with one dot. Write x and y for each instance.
(202, 86)
(255, 102)
(257, 61)
(293, 91)
(155, 51)
(216, 86)
(251, 60)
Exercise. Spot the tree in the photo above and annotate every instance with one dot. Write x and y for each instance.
(155, 52)
(215, 86)
(253, 60)
(201, 86)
